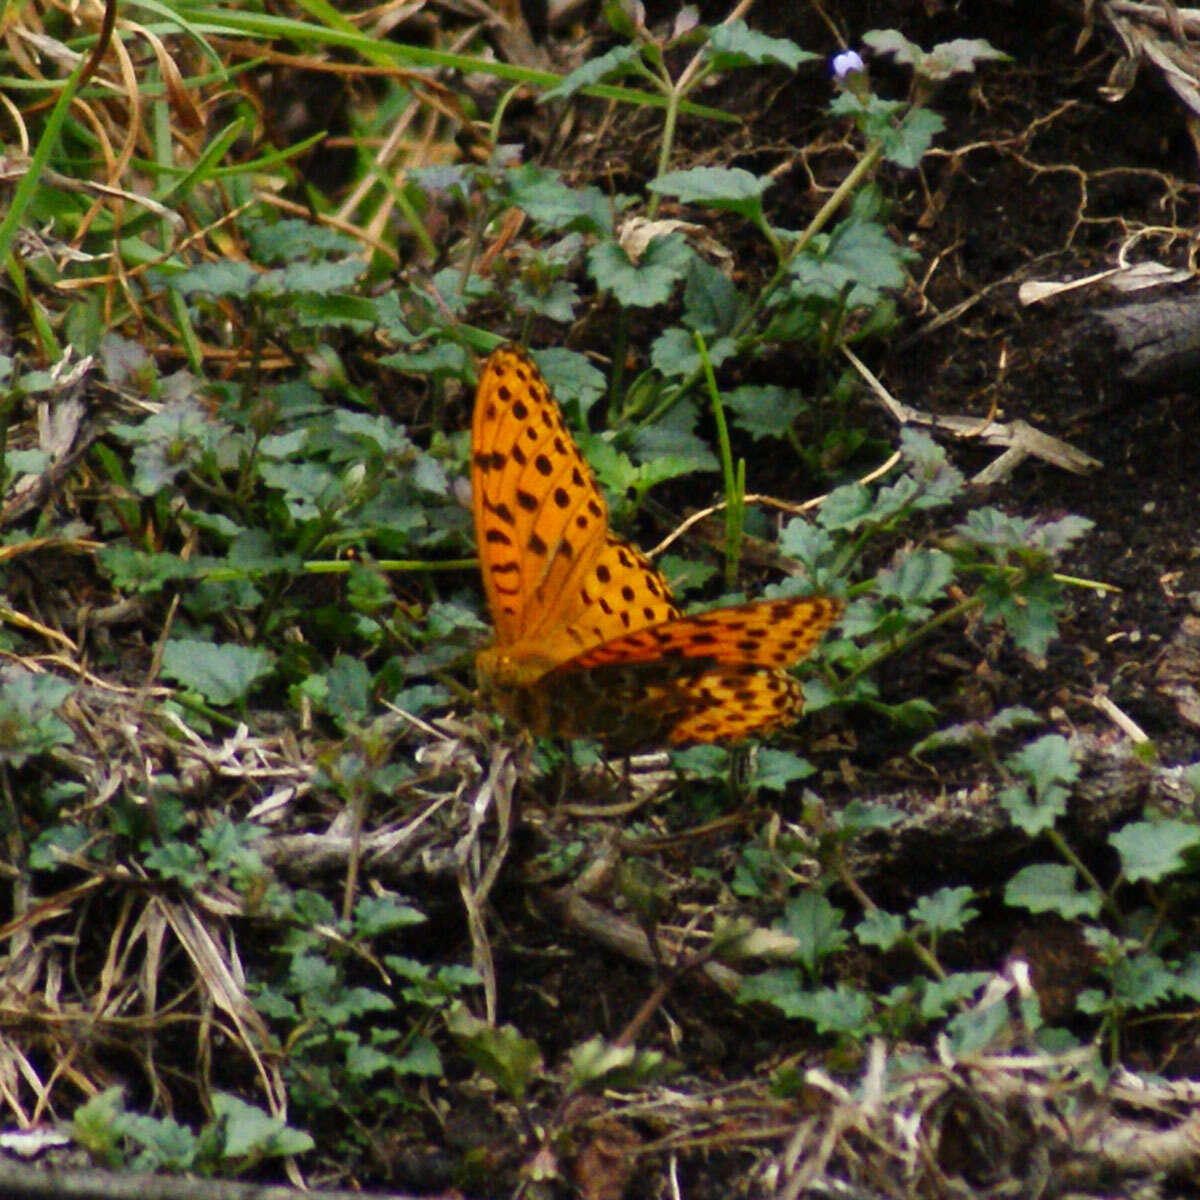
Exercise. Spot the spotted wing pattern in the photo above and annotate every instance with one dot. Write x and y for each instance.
(589, 641)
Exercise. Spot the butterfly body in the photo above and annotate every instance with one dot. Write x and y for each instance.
(589, 641)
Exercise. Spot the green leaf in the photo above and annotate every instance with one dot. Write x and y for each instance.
(167, 1145)
(711, 302)
(930, 468)
(364, 1061)
(421, 1059)
(1142, 982)
(346, 1004)
(323, 278)
(891, 43)
(945, 911)
(1056, 536)
(312, 978)
(99, 1125)
(177, 861)
(1186, 981)
(29, 724)
(375, 915)
(440, 361)
(349, 689)
(939, 64)
(573, 378)
(1045, 762)
(617, 63)
(646, 284)
(817, 927)
(1030, 614)
(961, 55)
(291, 240)
(840, 1010)
(808, 543)
(511, 1061)
(250, 1132)
(56, 845)
(990, 527)
(1032, 816)
(939, 996)
(904, 134)
(846, 508)
(912, 716)
(26, 462)
(702, 762)
(225, 277)
(230, 847)
(1153, 850)
(923, 576)
(764, 411)
(727, 189)
(674, 353)
(775, 769)
(172, 442)
(598, 1063)
(221, 674)
(905, 144)
(860, 817)
(969, 733)
(1048, 887)
(556, 301)
(880, 929)
(853, 267)
(733, 44)
(541, 193)
(979, 1029)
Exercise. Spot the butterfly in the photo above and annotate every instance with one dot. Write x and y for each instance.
(589, 640)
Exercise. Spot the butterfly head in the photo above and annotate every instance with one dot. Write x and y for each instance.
(507, 683)
(506, 668)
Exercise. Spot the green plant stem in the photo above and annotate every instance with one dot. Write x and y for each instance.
(1106, 901)
(924, 955)
(617, 378)
(740, 329)
(215, 715)
(670, 121)
(870, 662)
(340, 566)
(48, 343)
(735, 478)
(864, 167)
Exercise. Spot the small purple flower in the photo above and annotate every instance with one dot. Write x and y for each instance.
(847, 63)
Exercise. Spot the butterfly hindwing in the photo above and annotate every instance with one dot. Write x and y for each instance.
(765, 633)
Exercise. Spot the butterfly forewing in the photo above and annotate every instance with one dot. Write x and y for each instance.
(622, 592)
(540, 519)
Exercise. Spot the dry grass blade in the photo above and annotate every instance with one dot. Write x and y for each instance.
(477, 874)
(220, 975)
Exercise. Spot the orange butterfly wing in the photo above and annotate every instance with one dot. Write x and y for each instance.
(540, 519)
(589, 641)
(557, 580)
